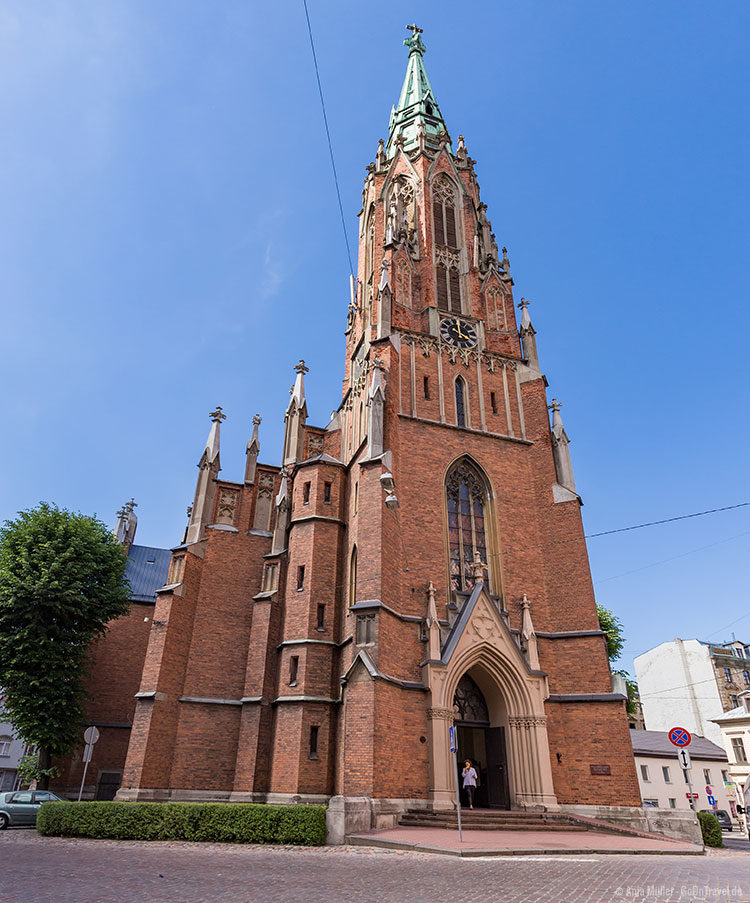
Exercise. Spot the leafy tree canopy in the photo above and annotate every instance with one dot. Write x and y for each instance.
(61, 581)
(612, 627)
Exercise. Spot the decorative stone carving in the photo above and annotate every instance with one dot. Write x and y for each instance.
(440, 713)
(314, 444)
(225, 510)
(265, 480)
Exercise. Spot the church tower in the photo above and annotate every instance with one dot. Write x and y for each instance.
(418, 562)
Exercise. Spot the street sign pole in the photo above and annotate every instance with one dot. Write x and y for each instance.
(90, 735)
(454, 751)
(681, 738)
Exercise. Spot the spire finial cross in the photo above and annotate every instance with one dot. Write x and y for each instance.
(301, 368)
(415, 30)
(257, 419)
(218, 415)
(555, 406)
(130, 505)
(524, 304)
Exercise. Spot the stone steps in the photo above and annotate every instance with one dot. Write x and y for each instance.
(495, 820)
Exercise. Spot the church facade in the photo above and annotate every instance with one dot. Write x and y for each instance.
(416, 563)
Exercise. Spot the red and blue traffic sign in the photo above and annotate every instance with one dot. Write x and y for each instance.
(679, 736)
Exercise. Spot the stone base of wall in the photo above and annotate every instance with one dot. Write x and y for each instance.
(681, 824)
(354, 814)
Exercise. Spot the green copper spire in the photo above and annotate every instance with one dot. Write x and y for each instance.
(417, 107)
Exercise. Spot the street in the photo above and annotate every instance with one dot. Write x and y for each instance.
(36, 869)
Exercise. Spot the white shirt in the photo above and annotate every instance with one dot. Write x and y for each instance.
(470, 777)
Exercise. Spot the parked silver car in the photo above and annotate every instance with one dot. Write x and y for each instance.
(21, 807)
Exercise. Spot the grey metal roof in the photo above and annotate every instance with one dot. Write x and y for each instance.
(656, 743)
(147, 570)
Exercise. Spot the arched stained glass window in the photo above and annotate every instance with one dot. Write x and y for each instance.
(460, 402)
(469, 703)
(467, 535)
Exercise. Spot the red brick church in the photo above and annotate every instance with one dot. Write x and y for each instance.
(417, 562)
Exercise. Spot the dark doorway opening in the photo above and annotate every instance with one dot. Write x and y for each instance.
(483, 744)
(109, 784)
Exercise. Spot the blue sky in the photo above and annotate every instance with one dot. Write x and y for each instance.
(170, 240)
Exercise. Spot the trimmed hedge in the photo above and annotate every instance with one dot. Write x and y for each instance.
(710, 829)
(219, 822)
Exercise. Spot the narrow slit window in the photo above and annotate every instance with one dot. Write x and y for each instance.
(314, 731)
(493, 402)
(293, 670)
(460, 403)
(306, 494)
(356, 496)
(300, 577)
(427, 387)
(327, 493)
(321, 617)
(353, 577)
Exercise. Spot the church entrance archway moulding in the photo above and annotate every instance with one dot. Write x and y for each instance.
(481, 647)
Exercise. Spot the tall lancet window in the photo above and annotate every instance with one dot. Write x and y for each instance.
(460, 402)
(448, 281)
(467, 499)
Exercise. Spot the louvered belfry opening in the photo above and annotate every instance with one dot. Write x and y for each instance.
(446, 245)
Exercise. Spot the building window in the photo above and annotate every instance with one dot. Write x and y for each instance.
(306, 494)
(327, 493)
(356, 496)
(493, 402)
(293, 670)
(644, 772)
(466, 499)
(365, 630)
(672, 803)
(426, 384)
(444, 212)
(738, 748)
(725, 776)
(460, 402)
(734, 700)
(300, 577)
(5, 742)
(706, 776)
(353, 577)
(651, 804)
(665, 774)
(746, 677)
(314, 730)
(321, 618)
(728, 675)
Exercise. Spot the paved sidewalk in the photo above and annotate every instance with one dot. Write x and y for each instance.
(37, 869)
(487, 843)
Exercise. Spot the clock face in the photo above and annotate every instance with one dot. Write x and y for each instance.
(458, 332)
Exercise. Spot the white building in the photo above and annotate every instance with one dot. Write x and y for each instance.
(689, 683)
(662, 781)
(11, 750)
(735, 728)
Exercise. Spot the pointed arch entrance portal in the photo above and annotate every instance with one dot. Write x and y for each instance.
(483, 743)
(484, 685)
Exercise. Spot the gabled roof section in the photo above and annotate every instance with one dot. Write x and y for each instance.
(146, 571)
(417, 107)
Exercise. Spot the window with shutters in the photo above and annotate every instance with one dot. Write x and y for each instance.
(444, 217)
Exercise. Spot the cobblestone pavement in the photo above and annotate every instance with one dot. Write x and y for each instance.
(35, 869)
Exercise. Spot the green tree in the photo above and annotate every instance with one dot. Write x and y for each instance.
(61, 581)
(612, 627)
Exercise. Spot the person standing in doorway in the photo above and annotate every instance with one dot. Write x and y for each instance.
(470, 781)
